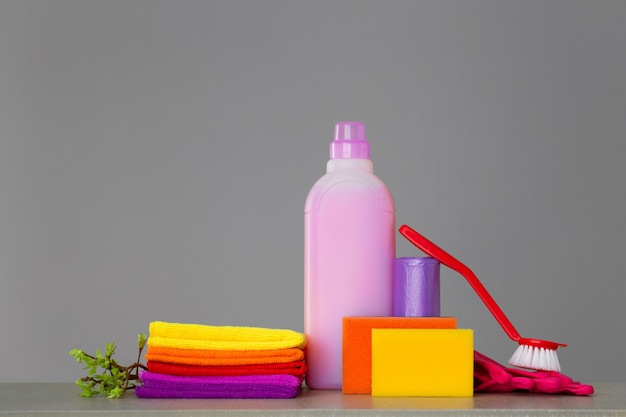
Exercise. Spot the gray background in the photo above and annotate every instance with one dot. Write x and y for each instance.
(155, 157)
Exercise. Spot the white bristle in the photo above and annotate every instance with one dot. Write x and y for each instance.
(540, 359)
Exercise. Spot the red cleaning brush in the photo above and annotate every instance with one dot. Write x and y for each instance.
(531, 353)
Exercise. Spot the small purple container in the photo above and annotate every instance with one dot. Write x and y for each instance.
(416, 287)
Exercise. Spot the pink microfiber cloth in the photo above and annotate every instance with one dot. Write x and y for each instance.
(491, 376)
(250, 386)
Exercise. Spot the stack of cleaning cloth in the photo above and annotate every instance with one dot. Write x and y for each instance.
(202, 361)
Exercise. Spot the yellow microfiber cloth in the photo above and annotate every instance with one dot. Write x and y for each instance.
(422, 362)
(206, 337)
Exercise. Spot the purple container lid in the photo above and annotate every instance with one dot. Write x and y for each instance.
(416, 291)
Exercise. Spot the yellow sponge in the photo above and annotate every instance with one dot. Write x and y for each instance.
(357, 345)
(422, 362)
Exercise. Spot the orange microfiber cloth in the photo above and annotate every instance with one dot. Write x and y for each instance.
(222, 357)
(289, 368)
(357, 345)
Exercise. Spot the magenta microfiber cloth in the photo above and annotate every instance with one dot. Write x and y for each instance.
(249, 386)
(491, 376)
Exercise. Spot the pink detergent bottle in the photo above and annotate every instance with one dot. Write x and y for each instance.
(349, 252)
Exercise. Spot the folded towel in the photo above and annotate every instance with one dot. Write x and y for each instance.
(256, 386)
(200, 336)
(289, 368)
(222, 357)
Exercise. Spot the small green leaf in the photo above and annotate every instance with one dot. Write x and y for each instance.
(110, 350)
(115, 393)
(141, 340)
(86, 393)
(85, 388)
(78, 354)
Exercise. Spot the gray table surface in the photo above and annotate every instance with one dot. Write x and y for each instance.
(40, 399)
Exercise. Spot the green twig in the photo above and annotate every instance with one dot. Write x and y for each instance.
(114, 379)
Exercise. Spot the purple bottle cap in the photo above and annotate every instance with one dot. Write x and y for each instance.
(349, 142)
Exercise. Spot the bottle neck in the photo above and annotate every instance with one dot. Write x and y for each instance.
(360, 164)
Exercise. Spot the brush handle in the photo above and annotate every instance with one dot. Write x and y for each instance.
(448, 260)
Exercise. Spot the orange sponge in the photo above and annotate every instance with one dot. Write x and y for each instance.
(357, 345)
(423, 362)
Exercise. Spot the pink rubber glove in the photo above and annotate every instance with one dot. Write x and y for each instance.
(491, 376)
